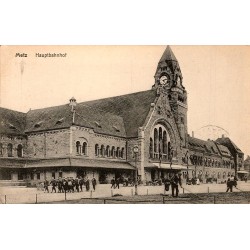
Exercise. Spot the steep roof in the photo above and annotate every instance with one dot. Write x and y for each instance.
(223, 149)
(168, 55)
(12, 122)
(133, 108)
(205, 146)
(118, 116)
(49, 118)
(229, 143)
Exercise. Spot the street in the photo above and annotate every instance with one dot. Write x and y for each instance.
(20, 195)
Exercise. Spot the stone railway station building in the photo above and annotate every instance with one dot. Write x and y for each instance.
(97, 138)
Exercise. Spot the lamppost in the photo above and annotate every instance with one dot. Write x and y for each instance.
(136, 150)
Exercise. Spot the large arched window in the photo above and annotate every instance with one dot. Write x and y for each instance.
(1, 149)
(19, 150)
(10, 150)
(84, 148)
(159, 146)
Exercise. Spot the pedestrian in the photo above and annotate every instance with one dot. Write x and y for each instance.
(54, 184)
(245, 178)
(113, 183)
(70, 185)
(117, 182)
(87, 184)
(167, 183)
(60, 185)
(94, 183)
(229, 185)
(175, 182)
(77, 184)
(81, 183)
(65, 185)
(46, 185)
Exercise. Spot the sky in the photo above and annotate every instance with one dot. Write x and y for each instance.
(215, 77)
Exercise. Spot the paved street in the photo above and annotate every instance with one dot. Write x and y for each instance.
(17, 195)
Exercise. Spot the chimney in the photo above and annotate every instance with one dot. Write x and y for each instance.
(192, 133)
(223, 136)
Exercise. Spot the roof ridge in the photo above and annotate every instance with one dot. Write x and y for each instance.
(116, 96)
(13, 110)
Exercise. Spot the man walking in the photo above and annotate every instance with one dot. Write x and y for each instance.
(87, 184)
(81, 182)
(46, 186)
(77, 184)
(94, 183)
(117, 182)
(175, 182)
(53, 182)
(113, 183)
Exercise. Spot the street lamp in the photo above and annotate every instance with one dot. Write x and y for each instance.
(136, 150)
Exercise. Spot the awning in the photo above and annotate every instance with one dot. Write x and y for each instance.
(242, 172)
(167, 166)
(65, 162)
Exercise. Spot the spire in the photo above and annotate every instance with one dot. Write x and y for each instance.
(168, 55)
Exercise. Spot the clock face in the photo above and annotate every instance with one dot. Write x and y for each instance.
(164, 80)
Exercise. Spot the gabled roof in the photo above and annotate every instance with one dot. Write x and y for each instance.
(205, 146)
(12, 122)
(229, 143)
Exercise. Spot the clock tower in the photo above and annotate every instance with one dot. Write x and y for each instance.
(168, 76)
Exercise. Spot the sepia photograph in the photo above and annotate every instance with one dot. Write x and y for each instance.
(164, 124)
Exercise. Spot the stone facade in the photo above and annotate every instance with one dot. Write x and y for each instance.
(97, 139)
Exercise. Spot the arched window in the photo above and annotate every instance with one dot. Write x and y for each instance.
(122, 153)
(219, 175)
(1, 149)
(155, 142)
(97, 150)
(10, 150)
(165, 144)
(108, 151)
(113, 152)
(102, 151)
(78, 147)
(169, 151)
(224, 175)
(84, 148)
(151, 148)
(19, 150)
(160, 141)
(118, 152)
(159, 146)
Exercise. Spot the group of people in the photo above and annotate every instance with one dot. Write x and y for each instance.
(69, 184)
(115, 183)
(174, 181)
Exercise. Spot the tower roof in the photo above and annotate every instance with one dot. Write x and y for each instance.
(168, 55)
